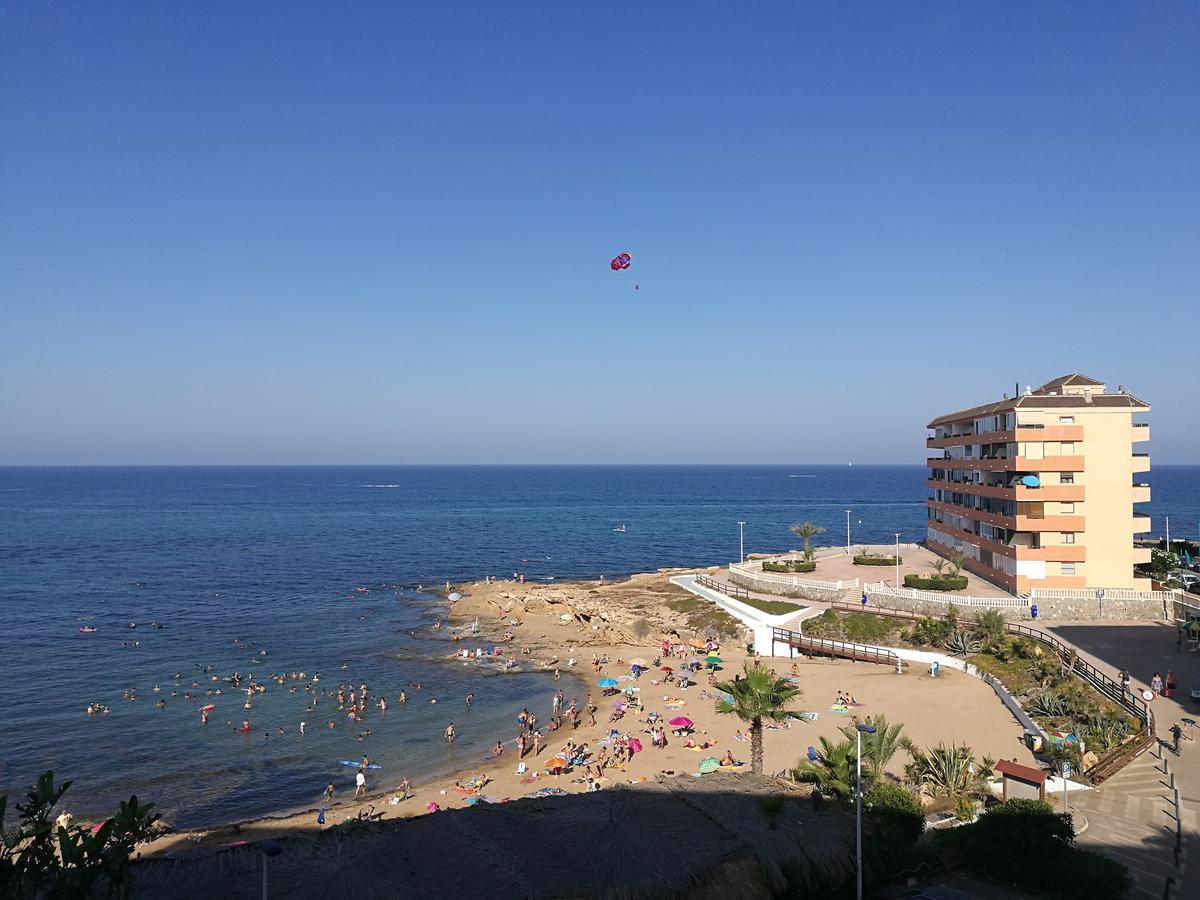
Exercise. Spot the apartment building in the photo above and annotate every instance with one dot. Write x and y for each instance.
(1039, 490)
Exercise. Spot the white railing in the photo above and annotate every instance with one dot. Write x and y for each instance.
(757, 575)
(884, 592)
(1094, 594)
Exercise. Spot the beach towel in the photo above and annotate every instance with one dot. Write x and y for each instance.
(838, 709)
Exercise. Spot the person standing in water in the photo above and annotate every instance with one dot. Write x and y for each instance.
(450, 733)
(360, 782)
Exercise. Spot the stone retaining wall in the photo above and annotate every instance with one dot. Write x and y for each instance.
(1080, 610)
(795, 591)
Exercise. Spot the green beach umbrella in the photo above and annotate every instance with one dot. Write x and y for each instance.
(713, 660)
(708, 764)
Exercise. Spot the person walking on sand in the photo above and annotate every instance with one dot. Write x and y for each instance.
(329, 792)
(360, 782)
(450, 733)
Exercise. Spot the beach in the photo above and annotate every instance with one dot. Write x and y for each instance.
(579, 620)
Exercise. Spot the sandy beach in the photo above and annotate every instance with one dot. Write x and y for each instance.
(577, 620)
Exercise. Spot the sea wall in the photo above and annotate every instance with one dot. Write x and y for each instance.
(1050, 609)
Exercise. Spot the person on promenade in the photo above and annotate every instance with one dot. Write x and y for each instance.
(1169, 683)
(360, 782)
(1156, 683)
(1124, 676)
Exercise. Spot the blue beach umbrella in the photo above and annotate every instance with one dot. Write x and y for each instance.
(606, 683)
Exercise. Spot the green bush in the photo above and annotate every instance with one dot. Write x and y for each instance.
(864, 628)
(894, 812)
(827, 625)
(928, 631)
(794, 565)
(936, 582)
(876, 560)
(1025, 842)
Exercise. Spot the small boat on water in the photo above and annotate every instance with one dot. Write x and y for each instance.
(620, 529)
(87, 629)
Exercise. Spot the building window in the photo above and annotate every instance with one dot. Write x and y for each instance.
(1068, 537)
(1066, 420)
(1066, 478)
(1068, 507)
(1068, 568)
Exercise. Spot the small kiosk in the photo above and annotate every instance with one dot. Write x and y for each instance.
(1022, 782)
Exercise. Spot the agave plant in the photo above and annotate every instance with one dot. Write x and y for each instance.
(833, 770)
(960, 643)
(946, 771)
(1050, 704)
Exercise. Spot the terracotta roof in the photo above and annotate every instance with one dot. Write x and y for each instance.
(1073, 379)
(1024, 773)
(1042, 401)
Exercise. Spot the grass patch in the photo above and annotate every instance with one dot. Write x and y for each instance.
(770, 607)
(1013, 674)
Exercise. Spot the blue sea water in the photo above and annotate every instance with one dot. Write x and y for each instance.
(268, 556)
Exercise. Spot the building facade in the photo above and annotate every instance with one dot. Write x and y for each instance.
(1039, 491)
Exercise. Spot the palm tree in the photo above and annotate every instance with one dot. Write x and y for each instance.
(757, 696)
(833, 770)
(878, 748)
(939, 566)
(991, 623)
(957, 558)
(806, 531)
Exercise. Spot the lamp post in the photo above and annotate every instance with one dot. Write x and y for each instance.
(859, 730)
(847, 531)
(741, 542)
(268, 849)
(897, 559)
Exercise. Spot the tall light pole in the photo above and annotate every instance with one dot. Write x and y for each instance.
(847, 531)
(1168, 518)
(859, 730)
(898, 559)
(741, 542)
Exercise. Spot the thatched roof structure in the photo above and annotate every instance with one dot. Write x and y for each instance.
(675, 837)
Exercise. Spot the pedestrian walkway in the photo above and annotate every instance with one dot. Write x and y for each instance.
(1131, 818)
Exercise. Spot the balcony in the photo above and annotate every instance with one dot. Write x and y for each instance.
(1049, 464)
(1141, 493)
(1141, 524)
(1141, 432)
(1141, 462)
(975, 463)
(1141, 555)
(1038, 522)
(1049, 433)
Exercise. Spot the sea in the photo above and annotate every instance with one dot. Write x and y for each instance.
(259, 569)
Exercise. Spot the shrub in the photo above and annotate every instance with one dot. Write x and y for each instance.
(936, 582)
(928, 631)
(792, 565)
(868, 560)
(827, 625)
(1025, 842)
(799, 566)
(894, 810)
(865, 628)
(769, 566)
(964, 808)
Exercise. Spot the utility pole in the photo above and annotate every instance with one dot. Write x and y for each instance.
(741, 542)
(847, 531)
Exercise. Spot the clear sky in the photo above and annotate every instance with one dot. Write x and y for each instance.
(380, 232)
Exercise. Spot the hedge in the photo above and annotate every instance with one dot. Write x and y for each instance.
(936, 582)
(876, 560)
(793, 566)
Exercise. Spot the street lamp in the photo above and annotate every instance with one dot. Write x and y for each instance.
(268, 849)
(859, 731)
(847, 531)
(741, 542)
(898, 558)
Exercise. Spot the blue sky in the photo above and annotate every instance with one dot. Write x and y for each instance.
(291, 232)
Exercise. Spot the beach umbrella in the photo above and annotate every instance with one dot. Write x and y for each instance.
(694, 661)
(635, 746)
(607, 683)
(624, 678)
(699, 645)
(682, 722)
(618, 703)
(708, 764)
(666, 669)
(713, 661)
(639, 662)
(557, 763)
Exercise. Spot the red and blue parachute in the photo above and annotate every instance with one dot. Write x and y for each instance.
(621, 261)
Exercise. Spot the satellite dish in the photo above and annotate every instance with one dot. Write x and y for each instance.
(1031, 481)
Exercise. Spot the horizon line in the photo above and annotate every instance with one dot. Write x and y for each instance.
(466, 465)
